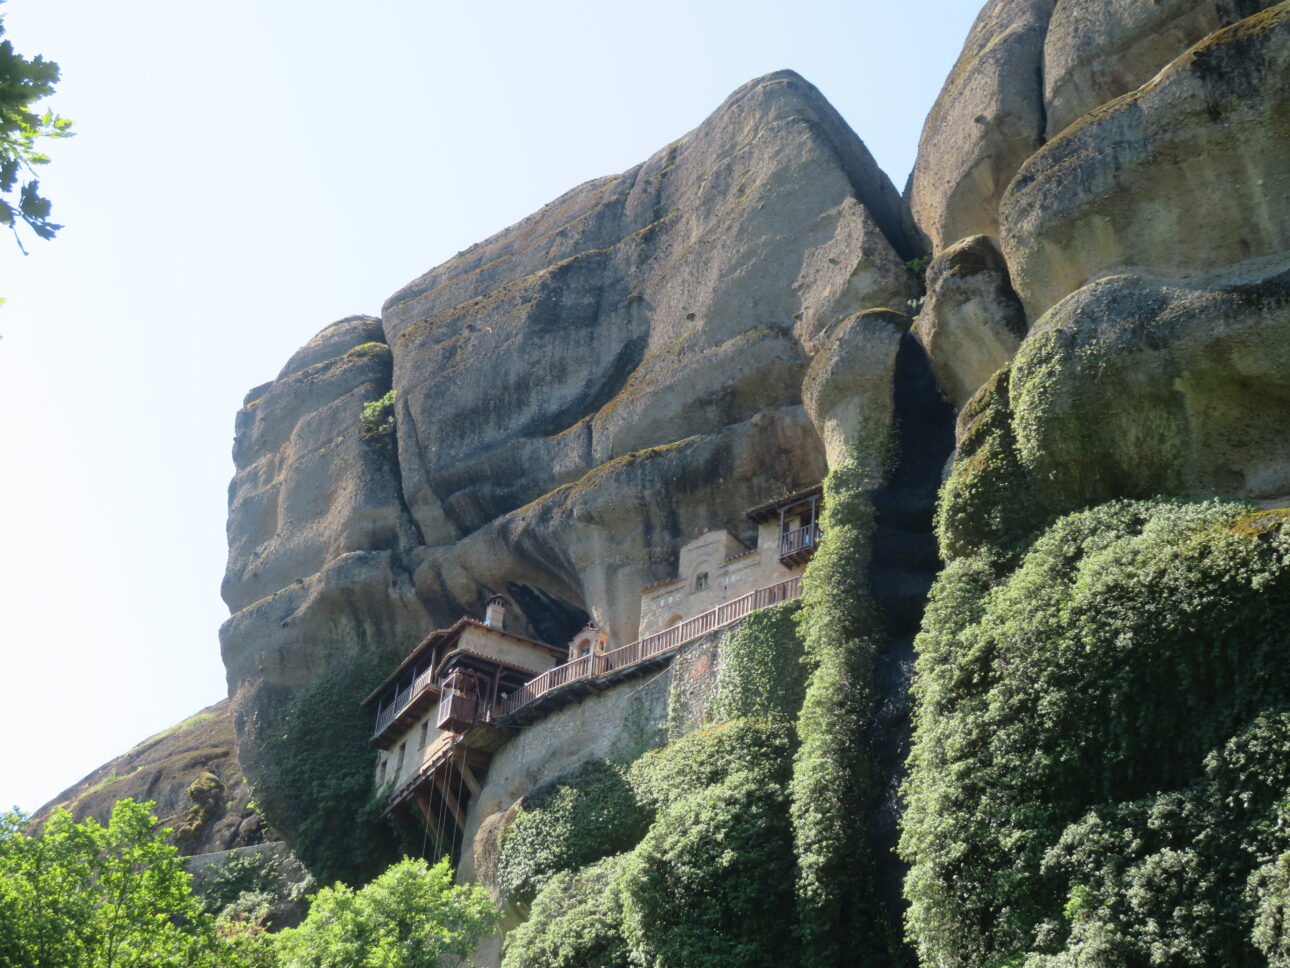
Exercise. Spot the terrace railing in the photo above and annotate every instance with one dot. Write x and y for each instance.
(799, 540)
(402, 700)
(652, 646)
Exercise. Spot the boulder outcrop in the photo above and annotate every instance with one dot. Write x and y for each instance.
(1182, 175)
(971, 321)
(573, 399)
(191, 772)
(1097, 50)
(987, 121)
(1134, 387)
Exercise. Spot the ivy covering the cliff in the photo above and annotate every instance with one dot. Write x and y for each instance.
(580, 818)
(989, 500)
(319, 791)
(709, 882)
(1100, 748)
(575, 922)
(761, 675)
(838, 916)
(705, 886)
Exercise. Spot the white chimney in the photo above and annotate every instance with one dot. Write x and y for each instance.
(495, 612)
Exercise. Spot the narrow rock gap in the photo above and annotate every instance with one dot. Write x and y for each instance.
(904, 563)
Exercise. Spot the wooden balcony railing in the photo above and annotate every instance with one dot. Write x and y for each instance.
(795, 542)
(456, 711)
(561, 675)
(402, 701)
(652, 646)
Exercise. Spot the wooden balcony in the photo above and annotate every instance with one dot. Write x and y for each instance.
(408, 704)
(597, 671)
(797, 546)
(457, 712)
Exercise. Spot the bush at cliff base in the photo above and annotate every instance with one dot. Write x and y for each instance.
(576, 920)
(707, 886)
(580, 818)
(1102, 748)
(412, 916)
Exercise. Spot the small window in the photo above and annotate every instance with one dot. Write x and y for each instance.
(421, 742)
(700, 581)
(403, 749)
(380, 775)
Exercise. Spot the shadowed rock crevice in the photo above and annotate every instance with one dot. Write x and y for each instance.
(904, 563)
(549, 618)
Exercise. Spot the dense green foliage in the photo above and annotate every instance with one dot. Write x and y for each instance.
(81, 895)
(988, 501)
(253, 888)
(576, 922)
(1177, 878)
(411, 916)
(574, 821)
(377, 416)
(838, 917)
(23, 82)
(1098, 752)
(319, 791)
(709, 884)
(761, 675)
(667, 775)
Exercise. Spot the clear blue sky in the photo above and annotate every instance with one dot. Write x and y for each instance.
(246, 172)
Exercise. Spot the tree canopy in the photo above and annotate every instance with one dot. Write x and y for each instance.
(23, 82)
(412, 916)
(82, 895)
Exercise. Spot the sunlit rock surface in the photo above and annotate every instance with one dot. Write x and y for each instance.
(575, 398)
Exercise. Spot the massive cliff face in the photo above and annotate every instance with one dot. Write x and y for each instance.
(646, 357)
(1101, 192)
(1099, 770)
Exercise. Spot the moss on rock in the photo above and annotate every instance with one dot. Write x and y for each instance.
(988, 499)
(1097, 670)
(578, 819)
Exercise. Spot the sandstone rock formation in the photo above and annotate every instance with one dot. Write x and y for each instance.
(1096, 50)
(191, 772)
(1183, 175)
(644, 358)
(971, 320)
(986, 122)
(1134, 387)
